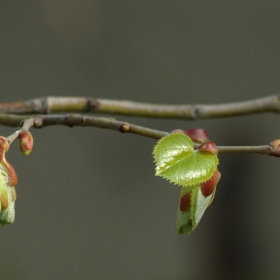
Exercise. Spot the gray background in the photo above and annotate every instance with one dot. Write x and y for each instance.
(89, 205)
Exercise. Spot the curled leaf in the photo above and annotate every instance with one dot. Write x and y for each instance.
(193, 203)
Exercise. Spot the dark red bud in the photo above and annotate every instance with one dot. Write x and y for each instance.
(275, 151)
(208, 146)
(198, 135)
(208, 187)
(185, 202)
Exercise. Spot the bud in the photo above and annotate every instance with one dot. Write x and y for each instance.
(275, 151)
(208, 146)
(198, 135)
(208, 187)
(26, 142)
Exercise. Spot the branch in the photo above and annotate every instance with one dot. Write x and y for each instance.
(25, 126)
(49, 105)
(41, 121)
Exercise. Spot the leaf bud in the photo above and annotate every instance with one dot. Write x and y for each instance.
(208, 187)
(26, 142)
(198, 135)
(208, 146)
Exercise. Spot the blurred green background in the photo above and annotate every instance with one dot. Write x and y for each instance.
(89, 205)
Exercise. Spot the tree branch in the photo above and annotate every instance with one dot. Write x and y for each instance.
(71, 120)
(51, 104)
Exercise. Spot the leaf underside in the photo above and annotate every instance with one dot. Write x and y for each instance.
(187, 221)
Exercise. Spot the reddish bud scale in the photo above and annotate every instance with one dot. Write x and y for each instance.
(208, 146)
(198, 135)
(185, 202)
(208, 187)
(26, 142)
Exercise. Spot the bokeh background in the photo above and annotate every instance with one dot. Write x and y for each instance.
(89, 205)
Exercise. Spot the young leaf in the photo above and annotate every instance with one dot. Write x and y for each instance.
(177, 161)
(8, 180)
(7, 199)
(193, 203)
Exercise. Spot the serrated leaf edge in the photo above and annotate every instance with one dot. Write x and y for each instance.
(171, 181)
(187, 185)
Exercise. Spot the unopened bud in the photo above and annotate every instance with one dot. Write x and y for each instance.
(198, 135)
(208, 146)
(208, 187)
(26, 142)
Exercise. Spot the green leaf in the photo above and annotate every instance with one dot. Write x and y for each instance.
(7, 216)
(188, 220)
(177, 161)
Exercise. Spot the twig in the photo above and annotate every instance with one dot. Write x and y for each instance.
(47, 105)
(26, 125)
(71, 120)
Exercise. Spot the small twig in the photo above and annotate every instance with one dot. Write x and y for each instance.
(26, 125)
(264, 149)
(79, 120)
(51, 104)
